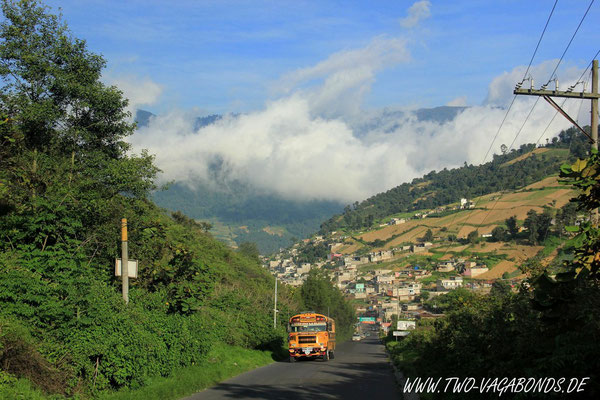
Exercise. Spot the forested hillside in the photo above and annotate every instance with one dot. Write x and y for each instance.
(241, 212)
(266, 219)
(66, 180)
(507, 171)
(544, 330)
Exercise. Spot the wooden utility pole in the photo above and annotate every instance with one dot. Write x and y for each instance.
(275, 307)
(124, 261)
(595, 104)
(593, 96)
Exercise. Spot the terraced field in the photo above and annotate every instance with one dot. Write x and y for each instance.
(490, 211)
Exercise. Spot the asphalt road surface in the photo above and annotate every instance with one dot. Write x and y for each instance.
(360, 370)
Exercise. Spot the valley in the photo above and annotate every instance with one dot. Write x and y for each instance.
(401, 260)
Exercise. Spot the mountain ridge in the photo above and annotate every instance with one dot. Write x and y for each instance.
(448, 186)
(230, 204)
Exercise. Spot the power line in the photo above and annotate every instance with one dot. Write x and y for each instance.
(547, 126)
(589, 66)
(515, 96)
(524, 76)
(536, 102)
(533, 107)
(540, 40)
(571, 41)
(551, 75)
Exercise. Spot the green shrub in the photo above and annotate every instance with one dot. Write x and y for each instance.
(125, 345)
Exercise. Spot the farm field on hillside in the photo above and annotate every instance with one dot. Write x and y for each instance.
(492, 210)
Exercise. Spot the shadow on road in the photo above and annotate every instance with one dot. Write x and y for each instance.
(341, 381)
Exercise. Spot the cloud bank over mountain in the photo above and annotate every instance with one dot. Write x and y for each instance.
(315, 140)
(139, 91)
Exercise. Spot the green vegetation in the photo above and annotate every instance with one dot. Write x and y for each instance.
(221, 363)
(311, 252)
(546, 329)
(318, 294)
(538, 225)
(66, 180)
(448, 186)
(235, 204)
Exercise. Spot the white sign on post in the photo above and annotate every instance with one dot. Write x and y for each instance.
(406, 325)
(401, 333)
(132, 268)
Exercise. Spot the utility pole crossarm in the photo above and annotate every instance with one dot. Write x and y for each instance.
(557, 93)
(593, 97)
(564, 114)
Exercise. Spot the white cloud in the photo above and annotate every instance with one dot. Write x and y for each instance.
(500, 90)
(458, 102)
(298, 148)
(140, 91)
(337, 85)
(416, 13)
(381, 52)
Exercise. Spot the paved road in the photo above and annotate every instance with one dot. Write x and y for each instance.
(360, 370)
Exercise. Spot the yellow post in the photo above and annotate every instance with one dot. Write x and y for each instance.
(124, 261)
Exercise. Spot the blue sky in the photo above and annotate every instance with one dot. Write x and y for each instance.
(225, 56)
(318, 94)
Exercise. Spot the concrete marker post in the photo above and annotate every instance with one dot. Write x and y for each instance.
(124, 261)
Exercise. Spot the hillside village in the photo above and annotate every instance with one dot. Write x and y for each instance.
(402, 263)
(383, 292)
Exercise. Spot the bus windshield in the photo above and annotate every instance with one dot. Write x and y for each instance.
(309, 328)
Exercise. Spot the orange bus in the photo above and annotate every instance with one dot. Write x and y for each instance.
(311, 335)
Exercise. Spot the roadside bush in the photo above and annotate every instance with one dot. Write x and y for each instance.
(116, 345)
(19, 357)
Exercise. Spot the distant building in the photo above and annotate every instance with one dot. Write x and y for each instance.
(449, 284)
(334, 256)
(417, 248)
(475, 271)
(382, 272)
(405, 325)
(304, 269)
(446, 266)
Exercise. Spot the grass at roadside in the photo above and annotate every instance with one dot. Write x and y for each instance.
(13, 389)
(222, 362)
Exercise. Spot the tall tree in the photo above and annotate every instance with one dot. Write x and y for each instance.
(511, 224)
(66, 130)
(532, 225)
(319, 294)
(473, 237)
(499, 234)
(428, 236)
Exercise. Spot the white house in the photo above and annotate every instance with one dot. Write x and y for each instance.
(449, 284)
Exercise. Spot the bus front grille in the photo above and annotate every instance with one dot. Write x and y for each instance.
(307, 339)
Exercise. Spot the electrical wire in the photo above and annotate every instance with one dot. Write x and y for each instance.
(572, 37)
(540, 40)
(545, 130)
(536, 102)
(524, 76)
(534, 105)
(515, 96)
